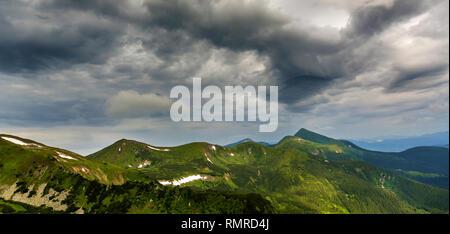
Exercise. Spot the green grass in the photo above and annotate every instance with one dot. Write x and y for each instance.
(426, 160)
(296, 176)
(103, 187)
(294, 181)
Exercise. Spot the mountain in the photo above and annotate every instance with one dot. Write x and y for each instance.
(135, 177)
(293, 181)
(35, 178)
(425, 164)
(248, 140)
(315, 137)
(404, 143)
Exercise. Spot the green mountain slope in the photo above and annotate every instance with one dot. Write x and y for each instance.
(35, 178)
(293, 181)
(315, 137)
(425, 164)
(247, 140)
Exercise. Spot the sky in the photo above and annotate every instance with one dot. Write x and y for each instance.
(82, 74)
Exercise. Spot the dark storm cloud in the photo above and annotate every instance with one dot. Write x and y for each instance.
(252, 26)
(236, 26)
(52, 41)
(25, 112)
(305, 64)
(303, 61)
(408, 75)
(369, 20)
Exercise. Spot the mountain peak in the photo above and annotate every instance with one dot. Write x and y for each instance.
(248, 140)
(315, 137)
(302, 130)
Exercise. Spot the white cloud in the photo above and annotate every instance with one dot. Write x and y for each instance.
(130, 103)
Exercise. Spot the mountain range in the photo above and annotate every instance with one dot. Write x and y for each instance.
(399, 144)
(248, 140)
(305, 173)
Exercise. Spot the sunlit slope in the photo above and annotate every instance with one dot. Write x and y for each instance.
(426, 164)
(424, 159)
(294, 181)
(33, 175)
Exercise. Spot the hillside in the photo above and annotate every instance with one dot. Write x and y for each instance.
(426, 164)
(292, 180)
(35, 178)
(134, 177)
(248, 140)
(315, 137)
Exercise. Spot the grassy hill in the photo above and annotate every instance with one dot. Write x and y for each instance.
(35, 178)
(425, 164)
(293, 181)
(134, 177)
(248, 140)
(315, 137)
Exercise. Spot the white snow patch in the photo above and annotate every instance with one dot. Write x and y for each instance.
(183, 180)
(15, 141)
(144, 164)
(19, 142)
(65, 156)
(153, 148)
(207, 158)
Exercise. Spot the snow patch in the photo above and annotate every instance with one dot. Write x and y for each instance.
(65, 156)
(165, 182)
(144, 164)
(207, 158)
(183, 180)
(19, 142)
(153, 148)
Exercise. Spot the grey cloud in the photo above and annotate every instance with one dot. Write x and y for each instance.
(130, 103)
(304, 63)
(252, 26)
(183, 35)
(372, 19)
(56, 43)
(407, 75)
(28, 113)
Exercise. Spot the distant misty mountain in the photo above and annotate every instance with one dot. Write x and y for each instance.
(248, 140)
(400, 144)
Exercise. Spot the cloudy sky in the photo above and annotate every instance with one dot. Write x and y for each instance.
(81, 74)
